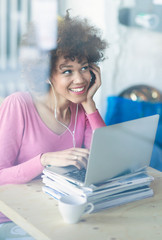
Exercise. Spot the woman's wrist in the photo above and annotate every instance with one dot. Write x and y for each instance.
(89, 107)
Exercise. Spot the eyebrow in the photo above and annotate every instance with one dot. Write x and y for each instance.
(64, 65)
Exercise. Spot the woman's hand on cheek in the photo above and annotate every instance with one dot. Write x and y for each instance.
(89, 104)
(97, 82)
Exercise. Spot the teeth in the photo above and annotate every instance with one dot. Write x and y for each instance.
(77, 89)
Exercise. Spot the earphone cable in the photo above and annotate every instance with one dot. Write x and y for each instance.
(55, 114)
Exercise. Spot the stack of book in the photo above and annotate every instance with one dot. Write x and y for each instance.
(111, 193)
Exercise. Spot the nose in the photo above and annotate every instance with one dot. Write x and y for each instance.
(78, 78)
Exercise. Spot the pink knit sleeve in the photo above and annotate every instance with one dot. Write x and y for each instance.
(93, 121)
(12, 121)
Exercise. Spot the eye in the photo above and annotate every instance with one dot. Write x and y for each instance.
(67, 72)
(85, 68)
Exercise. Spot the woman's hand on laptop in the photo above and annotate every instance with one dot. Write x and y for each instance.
(77, 157)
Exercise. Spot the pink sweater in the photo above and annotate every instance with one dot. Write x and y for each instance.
(24, 137)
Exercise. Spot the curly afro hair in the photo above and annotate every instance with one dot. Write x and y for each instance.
(78, 39)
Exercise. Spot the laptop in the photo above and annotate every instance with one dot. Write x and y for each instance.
(116, 150)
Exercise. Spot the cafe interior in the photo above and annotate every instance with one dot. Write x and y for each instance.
(131, 73)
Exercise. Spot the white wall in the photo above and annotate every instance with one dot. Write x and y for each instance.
(140, 59)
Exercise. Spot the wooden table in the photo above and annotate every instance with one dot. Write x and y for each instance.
(38, 214)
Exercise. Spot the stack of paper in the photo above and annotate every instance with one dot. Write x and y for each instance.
(114, 192)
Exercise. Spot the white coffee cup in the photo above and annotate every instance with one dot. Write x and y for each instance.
(73, 207)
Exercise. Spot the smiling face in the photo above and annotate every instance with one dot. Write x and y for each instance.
(71, 80)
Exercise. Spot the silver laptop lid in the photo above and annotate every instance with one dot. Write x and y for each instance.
(121, 148)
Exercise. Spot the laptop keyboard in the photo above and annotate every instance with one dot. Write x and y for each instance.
(77, 174)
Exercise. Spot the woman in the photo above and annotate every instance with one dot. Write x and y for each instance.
(54, 128)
